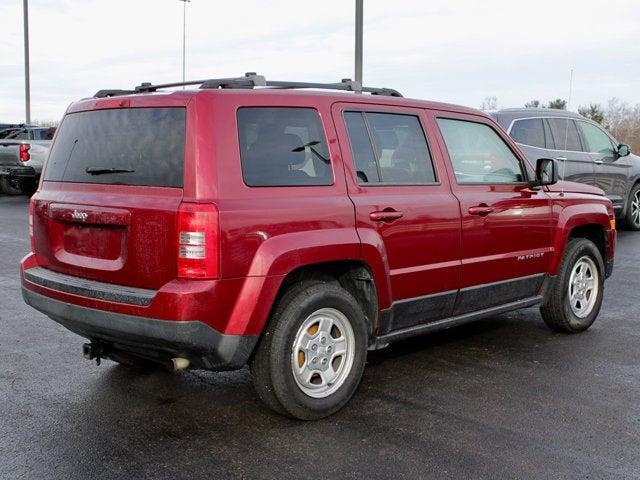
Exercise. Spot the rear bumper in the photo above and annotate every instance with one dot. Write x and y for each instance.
(19, 171)
(204, 346)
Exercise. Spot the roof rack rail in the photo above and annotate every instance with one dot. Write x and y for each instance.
(251, 80)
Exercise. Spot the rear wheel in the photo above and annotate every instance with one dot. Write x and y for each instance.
(576, 296)
(11, 185)
(632, 217)
(310, 360)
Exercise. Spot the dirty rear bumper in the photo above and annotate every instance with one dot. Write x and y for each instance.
(204, 346)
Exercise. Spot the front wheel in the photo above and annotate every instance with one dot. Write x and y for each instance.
(310, 360)
(632, 217)
(576, 295)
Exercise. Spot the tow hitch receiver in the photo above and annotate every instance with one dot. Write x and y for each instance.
(94, 350)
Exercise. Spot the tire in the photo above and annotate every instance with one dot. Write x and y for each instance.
(631, 219)
(296, 369)
(11, 185)
(563, 313)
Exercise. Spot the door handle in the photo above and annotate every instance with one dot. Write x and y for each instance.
(561, 159)
(481, 210)
(385, 216)
(598, 162)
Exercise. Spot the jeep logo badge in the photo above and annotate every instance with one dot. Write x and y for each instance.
(76, 215)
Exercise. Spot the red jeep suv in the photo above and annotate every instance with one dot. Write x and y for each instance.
(292, 229)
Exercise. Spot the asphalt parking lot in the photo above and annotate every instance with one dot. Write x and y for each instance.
(502, 398)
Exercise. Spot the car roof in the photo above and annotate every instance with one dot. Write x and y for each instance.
(184, 96)
(536, 112)
(506, 116)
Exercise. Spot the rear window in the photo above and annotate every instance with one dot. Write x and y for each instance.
(283, 147)
(138, 146)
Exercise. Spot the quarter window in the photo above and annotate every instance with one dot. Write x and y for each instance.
(529, 131)
(389, 148)
(478, 154)
(361, 150)
(565, 134)
(597, 140)
(283, 147)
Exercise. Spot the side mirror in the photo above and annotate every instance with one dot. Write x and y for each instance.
(623, 150)
(546, 172)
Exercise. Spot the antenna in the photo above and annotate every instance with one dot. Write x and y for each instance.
(566, 134)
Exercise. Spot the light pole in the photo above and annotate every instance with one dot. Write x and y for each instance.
(358, 67)
(27, 80)
(184, 35)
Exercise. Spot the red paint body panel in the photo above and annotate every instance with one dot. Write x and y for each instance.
(129, 236)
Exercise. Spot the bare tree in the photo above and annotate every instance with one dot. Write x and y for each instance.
(490, 103)
(623, 121)
(46, 123)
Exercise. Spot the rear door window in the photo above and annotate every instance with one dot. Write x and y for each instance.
(565, 134)
(389, 148)
(283, 147)
(136, 146)
(529, 131)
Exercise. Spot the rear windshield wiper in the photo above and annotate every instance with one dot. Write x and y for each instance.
(104, 171)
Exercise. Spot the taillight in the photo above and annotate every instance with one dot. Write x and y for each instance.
(197, 241)
(32, 208)
(24, 152)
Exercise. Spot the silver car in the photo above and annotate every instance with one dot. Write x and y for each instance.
(23, 150)
(586, 152)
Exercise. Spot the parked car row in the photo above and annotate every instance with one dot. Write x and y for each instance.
(23, 150)
(587, 152)
(294, 231)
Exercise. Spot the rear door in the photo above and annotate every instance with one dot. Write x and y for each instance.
(574, 163)
(107, 206)
(506, 226)
(403, 201)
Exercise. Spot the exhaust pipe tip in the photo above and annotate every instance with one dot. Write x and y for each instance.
(180, 363)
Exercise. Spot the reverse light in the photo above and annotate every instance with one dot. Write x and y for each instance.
(25, 156)
(197, 243)
(32, 208)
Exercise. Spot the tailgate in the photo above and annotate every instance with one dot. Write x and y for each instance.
(9, 153)
(124, 236)
(107, 208)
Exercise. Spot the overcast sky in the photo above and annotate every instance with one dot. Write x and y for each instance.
(455, 51)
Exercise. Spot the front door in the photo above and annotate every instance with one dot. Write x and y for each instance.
(611, 173)
(506, 226)
(403, 206)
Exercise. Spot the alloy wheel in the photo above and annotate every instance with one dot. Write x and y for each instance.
(635, 208)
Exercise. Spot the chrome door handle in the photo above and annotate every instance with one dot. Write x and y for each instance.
(598, 162)
(561, 159)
